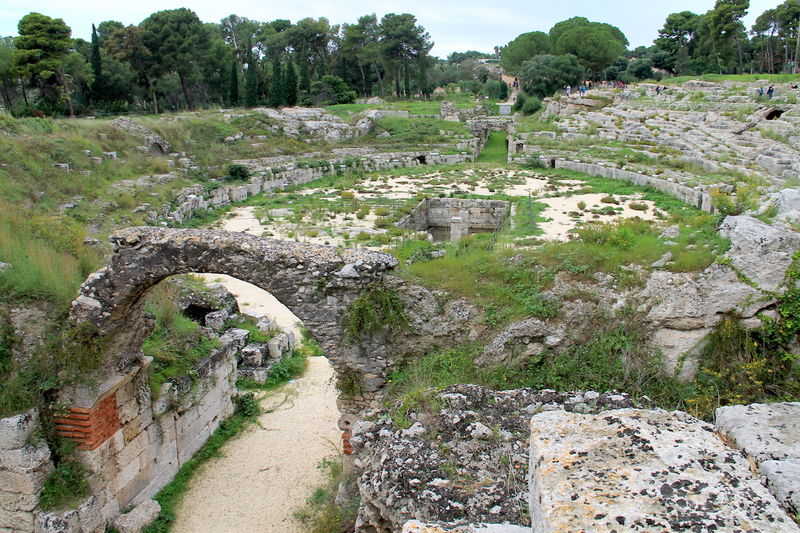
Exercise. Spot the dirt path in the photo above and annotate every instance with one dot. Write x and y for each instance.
(267, 473)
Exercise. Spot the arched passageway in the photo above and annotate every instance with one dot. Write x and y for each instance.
(131, 443)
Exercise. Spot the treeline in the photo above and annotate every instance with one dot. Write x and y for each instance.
(688, 44)
(173, 60)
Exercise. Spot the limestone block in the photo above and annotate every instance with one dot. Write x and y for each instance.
(639, 470)
(26, 459)
(139, 518)
(253, 354)
(763, 431)
(783, 481)
(15, 430)
(16, 520)
(68, 522)
(18, 500)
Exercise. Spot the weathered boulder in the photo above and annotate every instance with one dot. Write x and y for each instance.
(464, 462)
(637, 470)
(769, 434)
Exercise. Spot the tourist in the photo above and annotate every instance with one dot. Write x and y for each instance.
(770, 92)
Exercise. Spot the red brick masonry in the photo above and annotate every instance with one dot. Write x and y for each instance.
(90, 427)
(347, 447)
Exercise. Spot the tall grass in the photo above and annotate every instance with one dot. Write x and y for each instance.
(47, 256)
(495, 150)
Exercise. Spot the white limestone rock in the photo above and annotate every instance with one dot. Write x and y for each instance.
(763, 431)
(639, 470)
(139, 518)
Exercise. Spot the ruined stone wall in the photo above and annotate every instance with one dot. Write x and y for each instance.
(155, 437)
(697, 197)
(276, 177)
(24, 465)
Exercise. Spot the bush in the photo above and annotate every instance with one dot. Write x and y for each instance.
(65, 487)
(531, 105)
(331, 90)
(237, 173)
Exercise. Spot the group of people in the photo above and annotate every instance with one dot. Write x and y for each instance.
(586, 86)
(770, 92)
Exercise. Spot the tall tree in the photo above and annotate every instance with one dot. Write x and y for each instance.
(728, 32)
(523, 48)
(545, 74)
(290, 84)
(677, 39)
(233, 86)
(178, 41)
(127, 45)
(250, 77)
(42, 48)
(402, 39)
(276, 95)
(7, 74)
(97, 66)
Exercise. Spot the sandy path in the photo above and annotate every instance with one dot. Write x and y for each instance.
(267, 473)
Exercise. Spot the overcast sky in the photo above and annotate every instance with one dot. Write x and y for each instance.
(454, 25)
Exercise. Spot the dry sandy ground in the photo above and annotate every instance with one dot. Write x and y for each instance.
(561, 222)
(267, 473)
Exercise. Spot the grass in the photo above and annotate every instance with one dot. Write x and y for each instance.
(247, 410)
(65, 487)
(47, 256)
(321, 513)
(177, 342)
(495, 150)
(743, 78)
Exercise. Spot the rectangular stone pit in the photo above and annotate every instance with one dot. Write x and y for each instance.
(640, 470)
(454, 218)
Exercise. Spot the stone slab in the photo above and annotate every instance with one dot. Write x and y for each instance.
(640, 470)
(763, 431)
(783, 481)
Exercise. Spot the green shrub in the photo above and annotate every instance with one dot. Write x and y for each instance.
(65, 487)
(531, 105)
(377, 307)
(638, 206)
(237, 172)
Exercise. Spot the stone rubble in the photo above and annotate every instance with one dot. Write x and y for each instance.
(466, 461)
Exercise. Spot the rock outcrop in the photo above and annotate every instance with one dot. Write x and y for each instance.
(637, 470)
(464, 460)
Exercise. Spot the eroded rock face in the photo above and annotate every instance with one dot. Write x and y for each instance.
(465, 462)
(637, 470)
(683, 307)
(769, 434)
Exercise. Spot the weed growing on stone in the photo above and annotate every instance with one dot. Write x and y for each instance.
(65, 487)
(322, 514)
(376, 308)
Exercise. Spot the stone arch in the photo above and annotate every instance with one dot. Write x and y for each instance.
(315, 282)
(131, 443)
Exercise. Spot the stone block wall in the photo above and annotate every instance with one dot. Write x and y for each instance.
(153, 440)
(437, 213)
(694, 196)
(24, 466)
(274, 177)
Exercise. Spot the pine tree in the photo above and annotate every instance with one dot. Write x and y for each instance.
(97, 66)
(290, 84)
(234, 84)
(276, 95)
